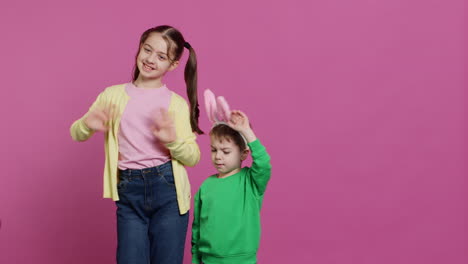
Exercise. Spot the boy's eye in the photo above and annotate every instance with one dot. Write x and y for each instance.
(162, 57)
(147, 50)
(225, 152)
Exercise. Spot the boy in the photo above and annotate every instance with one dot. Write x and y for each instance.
(226, 225)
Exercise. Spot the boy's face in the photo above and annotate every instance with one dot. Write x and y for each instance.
(226, 156)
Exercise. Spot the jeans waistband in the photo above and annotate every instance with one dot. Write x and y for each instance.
(146, 171)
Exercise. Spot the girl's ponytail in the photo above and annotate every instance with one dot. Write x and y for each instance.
(190, 76)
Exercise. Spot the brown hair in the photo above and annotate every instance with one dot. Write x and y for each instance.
(223, 131)
(175, 46)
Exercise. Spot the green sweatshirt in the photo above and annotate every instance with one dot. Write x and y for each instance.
(226, 225)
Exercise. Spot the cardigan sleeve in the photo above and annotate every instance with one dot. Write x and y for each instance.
(78, 130)
(185, 148)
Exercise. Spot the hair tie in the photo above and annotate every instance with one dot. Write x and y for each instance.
(187, 45)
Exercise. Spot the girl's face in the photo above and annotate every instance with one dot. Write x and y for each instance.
(153, 60)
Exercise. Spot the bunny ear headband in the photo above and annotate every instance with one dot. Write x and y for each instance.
(218, 110)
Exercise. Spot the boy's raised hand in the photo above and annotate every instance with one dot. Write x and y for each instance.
(240, 122)
(164, 128)
(99, 119)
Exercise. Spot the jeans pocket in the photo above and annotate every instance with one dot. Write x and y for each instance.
(121, 186)
(168, 178)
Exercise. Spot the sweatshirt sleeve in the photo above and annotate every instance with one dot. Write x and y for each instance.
(185, 148)
(260, 172)
(196, 258)
(78, 130)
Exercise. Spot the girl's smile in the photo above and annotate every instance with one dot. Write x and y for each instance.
(147, 68)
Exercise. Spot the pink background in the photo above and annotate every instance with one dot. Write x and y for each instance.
(361, 104)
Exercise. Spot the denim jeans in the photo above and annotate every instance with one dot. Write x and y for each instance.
(150, 228)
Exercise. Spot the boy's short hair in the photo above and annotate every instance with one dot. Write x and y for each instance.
(222, 131)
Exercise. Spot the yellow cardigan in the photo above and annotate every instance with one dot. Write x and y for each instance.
(184, 151)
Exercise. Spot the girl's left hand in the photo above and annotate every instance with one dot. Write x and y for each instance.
(165, 128)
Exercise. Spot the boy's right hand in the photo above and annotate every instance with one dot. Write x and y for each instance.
(99, 119)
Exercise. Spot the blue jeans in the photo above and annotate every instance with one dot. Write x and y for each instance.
(150, 228)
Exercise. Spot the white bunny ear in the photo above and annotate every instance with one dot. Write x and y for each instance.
(210, 105)
(223, 110)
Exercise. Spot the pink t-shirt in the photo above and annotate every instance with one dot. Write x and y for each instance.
(138, 147)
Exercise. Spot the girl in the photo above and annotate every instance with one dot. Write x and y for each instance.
(149, 137)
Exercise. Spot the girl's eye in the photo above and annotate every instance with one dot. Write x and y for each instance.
(162, 58)
(213, 150)
(226, 153)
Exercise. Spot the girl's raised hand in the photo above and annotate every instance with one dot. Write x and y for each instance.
(164, 129)
(99, 119)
